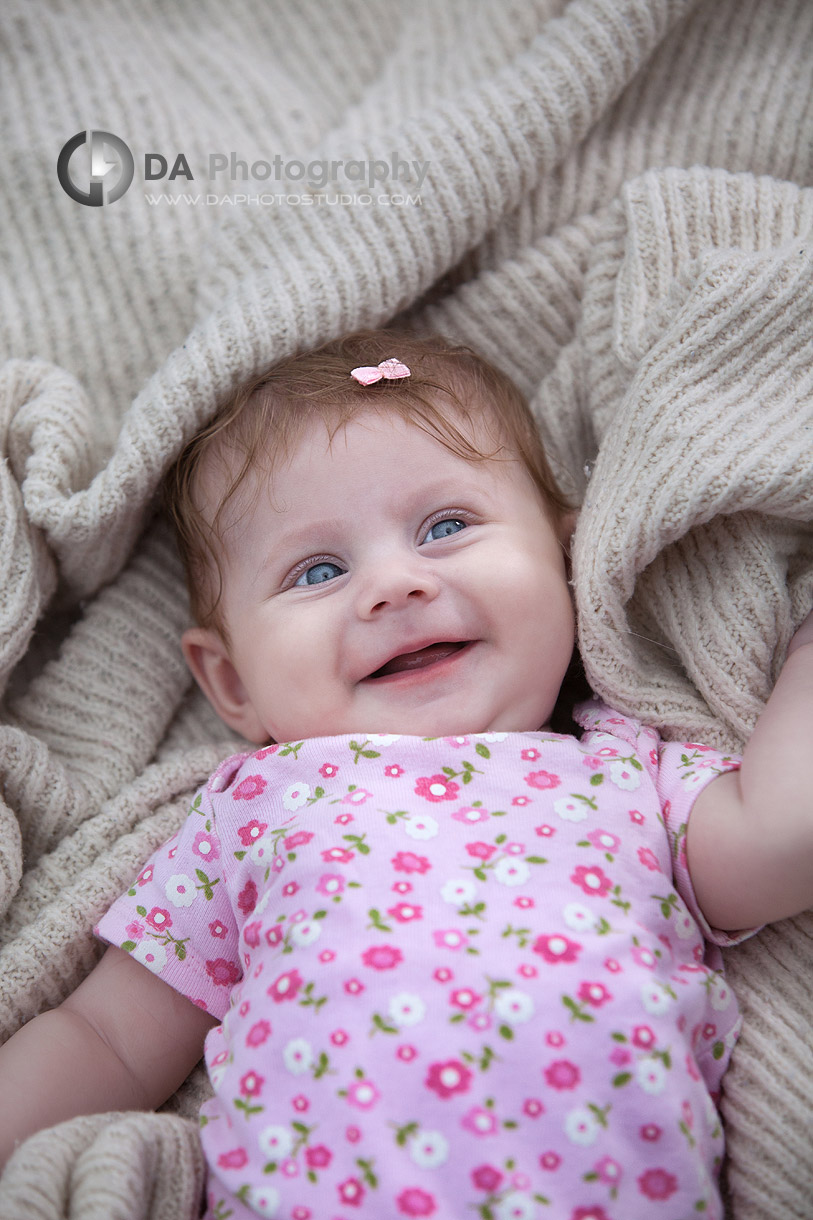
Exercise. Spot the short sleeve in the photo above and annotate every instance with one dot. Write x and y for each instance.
(177, 919)
(679, 771)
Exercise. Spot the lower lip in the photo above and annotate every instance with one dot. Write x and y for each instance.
(424, 673)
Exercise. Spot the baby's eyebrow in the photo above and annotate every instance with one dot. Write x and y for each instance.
(296, 540)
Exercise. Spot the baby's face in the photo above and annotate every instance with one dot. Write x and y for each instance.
(385, 585)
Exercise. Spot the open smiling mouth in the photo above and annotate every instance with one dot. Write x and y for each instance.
(411, 662)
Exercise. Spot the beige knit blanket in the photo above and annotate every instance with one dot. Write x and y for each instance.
(611, 206)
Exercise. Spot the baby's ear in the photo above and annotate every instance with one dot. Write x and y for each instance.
(208, 658)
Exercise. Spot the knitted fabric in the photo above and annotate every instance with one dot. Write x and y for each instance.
(613, 209)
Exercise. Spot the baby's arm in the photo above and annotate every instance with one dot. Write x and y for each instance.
(124, 1040)
(750, 837)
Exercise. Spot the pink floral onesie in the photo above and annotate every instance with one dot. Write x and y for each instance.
(461, 976)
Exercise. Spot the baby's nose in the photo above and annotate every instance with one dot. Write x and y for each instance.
(395, 584)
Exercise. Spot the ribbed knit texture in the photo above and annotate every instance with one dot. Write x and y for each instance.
(614, 211)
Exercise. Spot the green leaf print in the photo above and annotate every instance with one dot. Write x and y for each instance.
(362, 750)
(291, 748)
(482, 750)
(207, 885)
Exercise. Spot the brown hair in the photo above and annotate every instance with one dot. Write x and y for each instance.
(448, 389)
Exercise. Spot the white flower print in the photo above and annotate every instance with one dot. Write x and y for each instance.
(719, 993)
(624, 776)
(655, 998)
(421, 826)
(295, 796)
(581, 1127)
(651, 1076)
(510, 871)
(261, 850)
(457, 891)
(491, 736)
(570, 810)
(264, 1200)
(579, 917)
(150, 954)
(406, 1009)
(180, 890)
(276, 1142)
(516, 1206)
(684, 925)
(306, 932)
(428, 1149)
(514, 1006)
(382, 740)
(298, 1056)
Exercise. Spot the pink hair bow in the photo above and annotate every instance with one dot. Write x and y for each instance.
(390, 370)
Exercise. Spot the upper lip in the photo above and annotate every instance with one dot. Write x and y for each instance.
(413, 646)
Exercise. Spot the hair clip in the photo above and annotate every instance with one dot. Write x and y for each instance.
(390, 370)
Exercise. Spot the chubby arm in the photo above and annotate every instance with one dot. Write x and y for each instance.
(124, 1040)
(750, 837)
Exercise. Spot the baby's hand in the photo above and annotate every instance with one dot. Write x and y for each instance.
(803, 635)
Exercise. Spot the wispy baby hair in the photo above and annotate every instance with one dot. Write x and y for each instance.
(450, 394)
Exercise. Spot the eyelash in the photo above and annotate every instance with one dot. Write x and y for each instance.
(445, 514)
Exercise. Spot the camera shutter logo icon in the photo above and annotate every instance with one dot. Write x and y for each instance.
(102, 167)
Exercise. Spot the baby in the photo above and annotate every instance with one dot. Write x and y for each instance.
(445, 960)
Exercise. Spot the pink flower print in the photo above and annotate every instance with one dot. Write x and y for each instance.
(542, 779)
(248, 788)
(589, 1213)
(135, 930)
(638, 818)
(300, 1103)
(340, 1037)
(416, 1202)
(285, 986)
(222, 972)
(604, 840)
(612, 965)
(352, 1135)
(344, 819)
(436, 788)
(266, 750)
(290, 888)
(218, 929)
(480, 851)
(532, 1107)
(337, 855)
(557, 949)
(251, 933)
(593, 880)
(353, 986)
(382, 957)
(259, 1033)
(351, 1192)
(594, 994)
(290, 1168)
(318, 1157)
(529, 755)
(644, 956)
(709, 1031)
(357, 797)
(235, 1158)
(544, 831)
(251, 1084)
(562, 1074)
(443, 974)
(328, 770)
(145, 876)
(274, 935)
(554, 1038)
(486, 1177)
(465, 998)
(206, 845)
(298, 839)
(471, 814)
(649, 859)
(327, 955)
(480, 1121)
(450, 938)
(481, 1021)
(527, 971)
(408, 862)
(448, 1078)
(524, 902)
(457, 743)
(330, 884)
(362, 1094)
(247, 898)
(251, 832)
(300, 1212)
(393, 771)
(405, 912)
(550, 1160)
(619, 1057)
(514, 849)
(592, 761)
(522, 801)
(159, 919)
(650, 1132)
(402, 887)
(657, 1184)
(406, 1053)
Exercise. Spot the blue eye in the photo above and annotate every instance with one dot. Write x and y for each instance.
(443, 529)
(318, 573)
